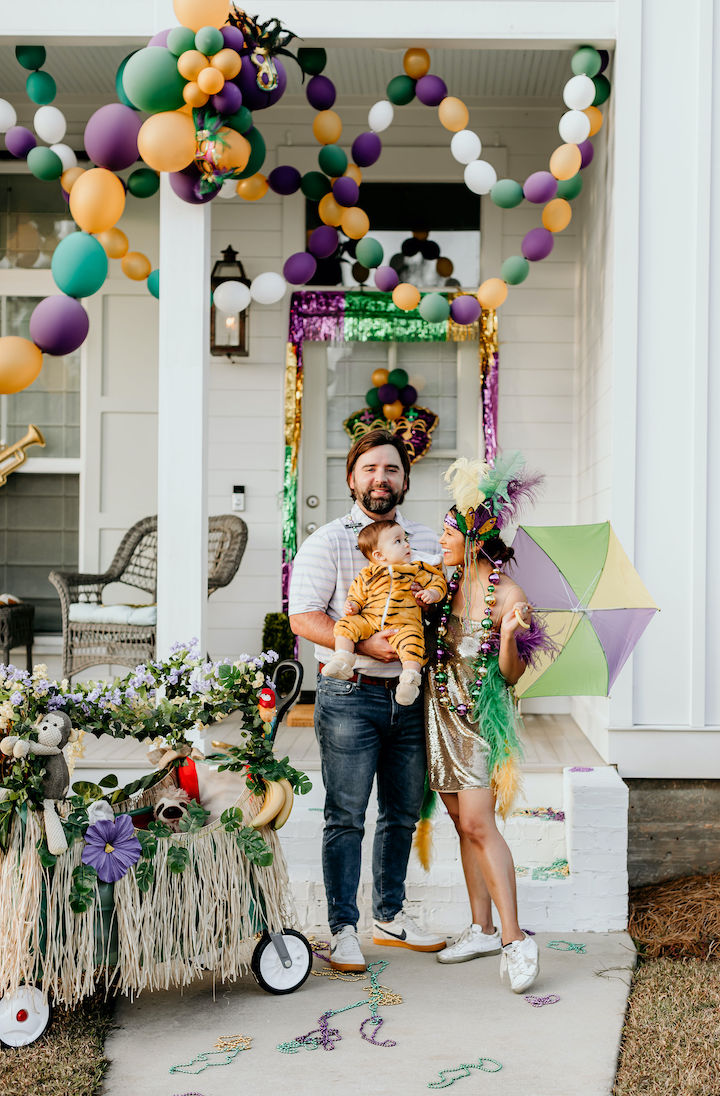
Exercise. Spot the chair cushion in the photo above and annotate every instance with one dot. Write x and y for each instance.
(138, 615)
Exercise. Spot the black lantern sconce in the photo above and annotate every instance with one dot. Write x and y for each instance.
(229, 331)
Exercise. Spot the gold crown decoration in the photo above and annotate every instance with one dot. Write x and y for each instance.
(391, 406)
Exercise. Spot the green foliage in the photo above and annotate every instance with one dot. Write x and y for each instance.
(159, 829)
(278, 635)
(232, 819)
(195, 818)
(148, 843)
(254, 847)
(178, 858)
(261, 764)
(46, 858)
(82, 889)
(144, 874)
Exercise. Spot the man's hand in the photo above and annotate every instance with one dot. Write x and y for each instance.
(351, 608)
(377, 646)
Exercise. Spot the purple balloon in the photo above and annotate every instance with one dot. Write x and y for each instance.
(186, 184)
(233, 38)
(111, 136)
(299, 268)
(345, 191)
(541, 186)
(465, 309)
(586, 153)
(408, 395)
(537, 244)
(59, 325)
(604, 59)
(254, 95)
(19, 140)
(431, 90)
(388, 393)
(229, 100)
(366, 149)
(386, 278)
(320, 93)
(284, 179)
(160, 39)
(323, 241)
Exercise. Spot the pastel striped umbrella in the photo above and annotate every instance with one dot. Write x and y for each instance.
(592, 601)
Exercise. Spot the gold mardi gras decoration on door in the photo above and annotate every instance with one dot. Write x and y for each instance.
(391, 406)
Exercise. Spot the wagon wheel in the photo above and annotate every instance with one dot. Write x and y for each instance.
(267, 965)
(24, 1016)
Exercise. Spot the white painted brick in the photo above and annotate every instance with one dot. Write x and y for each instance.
(600, 885)
(596, 862)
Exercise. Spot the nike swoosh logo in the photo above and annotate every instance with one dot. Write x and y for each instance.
(398, 935)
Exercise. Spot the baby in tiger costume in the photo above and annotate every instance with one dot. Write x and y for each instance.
(380, 597)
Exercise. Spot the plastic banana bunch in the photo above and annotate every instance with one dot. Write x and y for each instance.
(277, 804)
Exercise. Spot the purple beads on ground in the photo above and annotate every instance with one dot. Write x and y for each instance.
(320, 93)
(299, 268)
(323, 241)
(284, 179)
(346, 191)
(366, 149)
(540, 187)
(465, 309)
(537, 244)
(386, 278)
(431, 90)
(586, 153)
(19, 140)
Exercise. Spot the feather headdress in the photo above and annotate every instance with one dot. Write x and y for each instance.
(488, 497)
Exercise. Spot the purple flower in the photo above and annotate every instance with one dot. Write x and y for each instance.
(111, 848)
(56, 702)
(16, 699)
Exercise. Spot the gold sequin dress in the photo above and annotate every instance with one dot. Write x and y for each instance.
(457, 755)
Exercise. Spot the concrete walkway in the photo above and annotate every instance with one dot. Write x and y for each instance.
(449, 1015)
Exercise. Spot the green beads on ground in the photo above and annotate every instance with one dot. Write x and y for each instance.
(507, 193)
(515, 270)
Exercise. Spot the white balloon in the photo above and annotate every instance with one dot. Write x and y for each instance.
(8, 116)
(579, 92)
(231, 297)
(268, 288)
(480, 177)
(574, 127)
(66, 154)
(228, 190)
(380, 115)
(466, 146)
(50, 124)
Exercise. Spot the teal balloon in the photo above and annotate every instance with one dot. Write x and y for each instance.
(152, 81)
(44, 163)
(401, 90)
(258, 151)
(332, 160)
(586, 61)
(312, 59)
(241, 121)
(315, 185)
(399, 377)
(515, 270)
(372, 399)
(209, 40)
(570, 188)
(180, 39)
(31, 57)
(369, 252)
(79, 265)
(507, 193)
(434, 308)
(153, 282)
(602, 90)
(41, 88)
(143, 183)
(119, 86)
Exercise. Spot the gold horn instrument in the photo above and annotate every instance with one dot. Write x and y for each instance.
(15, 455)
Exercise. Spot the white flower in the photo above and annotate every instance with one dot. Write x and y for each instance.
(100, 811)
(39, 671)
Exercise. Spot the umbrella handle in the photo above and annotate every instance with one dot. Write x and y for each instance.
(521, 622)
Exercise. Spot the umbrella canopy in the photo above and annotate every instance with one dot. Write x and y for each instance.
(593, 603)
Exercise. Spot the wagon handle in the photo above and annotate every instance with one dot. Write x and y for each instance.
(286, 700)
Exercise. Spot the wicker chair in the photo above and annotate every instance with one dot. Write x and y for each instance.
(124, 635)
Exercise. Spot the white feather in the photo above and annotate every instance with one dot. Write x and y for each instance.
(464, 477)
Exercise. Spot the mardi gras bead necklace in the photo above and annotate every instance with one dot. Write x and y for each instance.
(479, 664)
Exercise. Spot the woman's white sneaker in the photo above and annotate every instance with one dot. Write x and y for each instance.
(472, 944)
(345, 951)
(520, 961)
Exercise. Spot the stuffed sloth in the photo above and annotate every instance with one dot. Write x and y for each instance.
(172, 808)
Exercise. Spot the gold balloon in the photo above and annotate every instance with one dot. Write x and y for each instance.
(327, 127)
(115, 243)
(20, 364)
(201, 13)
(227, 62)
(193, 96)
(166, 141)
(234, 153)
(253, 189)
(406, 296)
(330, 212)
(380, 377)
(393, 411)
(596, 120)
(69, 177)
(97, 200)
(444, 267)
(354, 222)
(492, 293)
(416, 62)
(354, 172)
(210, 80)
(565, 161)
(557, 215)
(135, 265)
(453, 114)
(191, 63)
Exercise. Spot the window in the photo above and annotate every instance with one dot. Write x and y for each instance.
(34, 217)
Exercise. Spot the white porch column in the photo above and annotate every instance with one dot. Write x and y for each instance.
(182, 420)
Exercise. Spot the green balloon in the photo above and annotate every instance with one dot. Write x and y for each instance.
(372, 399)
(399, 377)
(401, 90)
(569, 188)
(41, 88)
(332, 160)
(31, 57)
(119, 86)
(515, 270)
(602, 90)
(586, 61)
(179, 40)
(152, 81)
(507, 193)
(44, 163)
(315, 185)
(241, 121)
(370, 253)
(79, 265)
(434, 308)
(258, 152)
(209, 40)
(153, 282)
(144, 182)
(311, 60)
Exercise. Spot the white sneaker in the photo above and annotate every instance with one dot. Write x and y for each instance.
(340, 665)
(345, 951)
(520, 961)
(408, 687)
(404, 932)
(473, 944)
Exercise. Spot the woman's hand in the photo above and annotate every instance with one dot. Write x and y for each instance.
(518, 616)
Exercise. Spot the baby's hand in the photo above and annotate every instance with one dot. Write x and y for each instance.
(351, 608)
(428, 597)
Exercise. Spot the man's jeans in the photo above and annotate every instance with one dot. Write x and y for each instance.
(363, 731)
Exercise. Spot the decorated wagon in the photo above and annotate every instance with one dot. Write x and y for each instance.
(151, 885)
